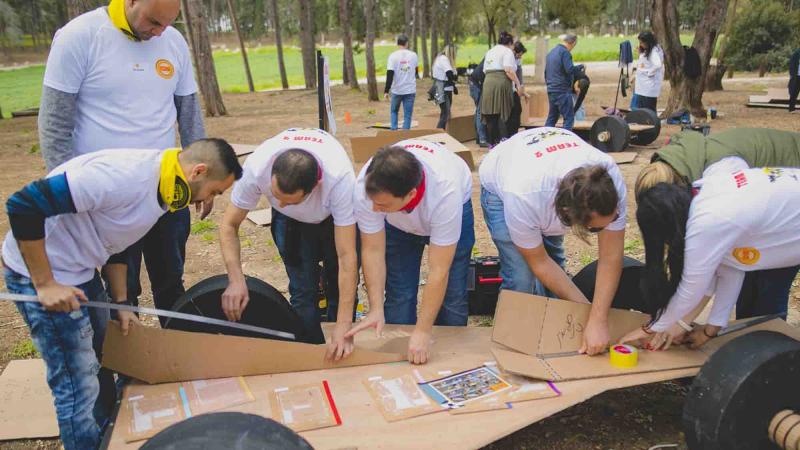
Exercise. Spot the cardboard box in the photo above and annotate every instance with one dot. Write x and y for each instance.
(537, 331)
(364, 147)
(155, 355)
(535, 107)
(26, 404)
(460, 126)
(261, 217)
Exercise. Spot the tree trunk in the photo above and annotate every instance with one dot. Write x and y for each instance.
(448, 22)
(347, 40)
(232, 13)
(687, 93)
(422, 14)
(434, 30)
(415, 26)
(195, 19)
(307, 42)
(715, 73)
(372, 82)
(408, 11)
(77, 7)
(276, 20)
(345, 80)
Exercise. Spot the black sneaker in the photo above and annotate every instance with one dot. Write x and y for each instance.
(483, 144)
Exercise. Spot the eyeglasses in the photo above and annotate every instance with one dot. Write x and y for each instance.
(599, 229)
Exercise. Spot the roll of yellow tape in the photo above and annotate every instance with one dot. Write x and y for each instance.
(624, 356)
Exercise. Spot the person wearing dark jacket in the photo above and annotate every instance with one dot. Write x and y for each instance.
(512, 126)
(559, 75)
(794, 79)
(475, 90)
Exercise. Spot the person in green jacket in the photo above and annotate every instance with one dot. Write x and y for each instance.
(689, 154)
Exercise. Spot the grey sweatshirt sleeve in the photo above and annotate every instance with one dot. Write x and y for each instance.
(190, 118)
(56, 123)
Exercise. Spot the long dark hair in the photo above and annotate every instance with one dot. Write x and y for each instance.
(650, 41)
(662, 213)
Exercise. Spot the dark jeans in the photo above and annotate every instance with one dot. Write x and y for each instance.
(164, 251)
(643, 102)
(794, 91)
(302, 247)
(403, 259)
(513, 122)
(70, 344)
(407, 101)
(444, 110)
(480, 128)
(765, 292)
(561, 104)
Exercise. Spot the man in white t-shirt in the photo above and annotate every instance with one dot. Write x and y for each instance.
(401, 82)
(308, 179)
(120, 77)
(536, 185)
(409, 195)
(82, 216)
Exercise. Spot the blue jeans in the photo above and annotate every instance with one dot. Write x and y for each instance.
(408, 109)
(403, 259)
(480, 127)
(634, 102)
(765, 292)
(514, 269)
(561, 104)
(164, 251)
(580, 114)
(302, 264)
(69, 345)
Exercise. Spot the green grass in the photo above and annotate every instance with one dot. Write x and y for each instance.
(203, 226)
(21, 88)
(24, 350)
(208, 237)
(633, 245)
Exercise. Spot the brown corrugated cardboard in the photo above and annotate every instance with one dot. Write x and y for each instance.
(364, 147)
(453, 145)
(243, 149)
(535, 107)
(534, 329)
(460, 126)
(623, 157)
(155, 355)
(305, 407)
(145, 410)
(26, 404)
(261, 217)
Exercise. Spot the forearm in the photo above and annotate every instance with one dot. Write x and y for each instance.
(56, 120)
(190, 118)
(117, 276)
(389, 80)
(609, 271)
(231, 251)
(345, 239)
(35, 257)
(374, 265)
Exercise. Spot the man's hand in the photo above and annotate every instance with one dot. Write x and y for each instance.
(340, 345)
(126, 320)
(419, 346)
(702, 334)
(374, 319)
(56, 297)
(204, 208)
(386, 96)
(234, 300)
(595, 337)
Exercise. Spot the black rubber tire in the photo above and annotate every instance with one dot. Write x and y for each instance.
(628, 296)
(644, 116)
(619, 130)
(267, 308)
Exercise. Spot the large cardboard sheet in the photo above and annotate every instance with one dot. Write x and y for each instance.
(155, 355)
(26, 405)
(364, 148)
(456, 348)
(537, 332)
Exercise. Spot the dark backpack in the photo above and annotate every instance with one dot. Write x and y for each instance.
(477, 76)
(691, 62)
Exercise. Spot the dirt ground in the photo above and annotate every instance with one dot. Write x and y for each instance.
(633, 418)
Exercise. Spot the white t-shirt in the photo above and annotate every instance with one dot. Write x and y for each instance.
(115, 193)
(440, 67)
(740, 221)
(404, 64)
(332, 196)
(448, 185)
(650, 73)
(525, 171)
(499, 57)
(125, 88)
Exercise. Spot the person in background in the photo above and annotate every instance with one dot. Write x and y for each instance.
(690, 156)
(512, 126)
(580, 89)
(559, 75)
(497, 97)
(649, 74)
(475, 88)
(444, 85)
(794, 80)
(401, 82)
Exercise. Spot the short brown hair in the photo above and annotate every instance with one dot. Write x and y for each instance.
(584, 191)
(394, 170)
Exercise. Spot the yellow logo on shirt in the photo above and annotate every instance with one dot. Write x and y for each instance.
(165, 69)
(747, 255)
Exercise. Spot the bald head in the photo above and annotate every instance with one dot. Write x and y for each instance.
(149, 18)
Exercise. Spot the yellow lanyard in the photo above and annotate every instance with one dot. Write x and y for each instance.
(116, 11)
(173, 186)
